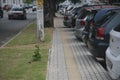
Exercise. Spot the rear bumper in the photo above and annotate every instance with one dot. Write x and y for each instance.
(97, 49)
(78, 33)
(113, 65)
(67, 23)
(16, 16)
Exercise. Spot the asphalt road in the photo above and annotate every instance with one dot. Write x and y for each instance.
(9, 28)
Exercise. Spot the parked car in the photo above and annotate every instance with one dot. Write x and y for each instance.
(99, 33)
(80, 21)
(7, 7)
(68, 18)
(1, 12)
(17, 13)
(95, 15)
(85, 17)
(113, 52)
(63, 6)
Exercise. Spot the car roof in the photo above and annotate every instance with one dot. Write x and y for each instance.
(97, 7)
(102, 12)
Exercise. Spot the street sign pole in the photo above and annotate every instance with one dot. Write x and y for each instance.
(40, 20)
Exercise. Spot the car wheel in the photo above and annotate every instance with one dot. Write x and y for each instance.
(9, 18)
(24, 17)
(1, 16)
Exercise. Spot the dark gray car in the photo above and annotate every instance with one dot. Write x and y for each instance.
(99, 32)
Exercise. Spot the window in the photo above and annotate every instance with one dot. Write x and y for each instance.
(113, 23)
(117, 28)
(105, 18)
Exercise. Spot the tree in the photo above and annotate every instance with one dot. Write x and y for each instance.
(28, 1)
(75, 1)
(48, 13)
(50, 7)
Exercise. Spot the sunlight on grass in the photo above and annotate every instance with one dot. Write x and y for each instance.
(15, 57)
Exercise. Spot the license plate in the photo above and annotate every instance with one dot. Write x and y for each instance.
(15, 15)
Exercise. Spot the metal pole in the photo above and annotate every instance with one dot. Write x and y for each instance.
(40, 20)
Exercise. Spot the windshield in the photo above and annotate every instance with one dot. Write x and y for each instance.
(17, 9)
(83, 14)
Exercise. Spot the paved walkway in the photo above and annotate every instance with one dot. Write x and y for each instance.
(69, 58)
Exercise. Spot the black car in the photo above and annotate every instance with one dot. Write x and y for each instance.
(99, 32)
(1, 12)
(94, 16)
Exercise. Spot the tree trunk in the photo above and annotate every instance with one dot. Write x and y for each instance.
(48, 13)
(51, 10)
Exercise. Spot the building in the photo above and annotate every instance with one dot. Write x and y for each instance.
(11, 2)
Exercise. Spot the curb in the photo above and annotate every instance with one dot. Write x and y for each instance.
(16, 35)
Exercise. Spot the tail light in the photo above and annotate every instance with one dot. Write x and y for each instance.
(82, 23)
(100, 33)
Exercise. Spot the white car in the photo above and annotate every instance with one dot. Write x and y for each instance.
(113, 54)
(17, 13)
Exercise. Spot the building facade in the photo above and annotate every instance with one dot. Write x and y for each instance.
(11, 2)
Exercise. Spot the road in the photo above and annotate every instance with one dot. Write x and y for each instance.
(9, 28)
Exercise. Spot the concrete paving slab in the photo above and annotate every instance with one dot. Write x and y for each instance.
(84, 65)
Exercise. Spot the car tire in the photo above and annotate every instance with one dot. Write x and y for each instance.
(24, 17)
(1, 16)
(9, 18)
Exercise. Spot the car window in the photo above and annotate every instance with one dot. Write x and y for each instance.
(83, 14)
(99, 15)
(117, 28)
(77, 10)
(113, 23)
(105, 18)
(17, 9)
(74, 10)
(91, 15)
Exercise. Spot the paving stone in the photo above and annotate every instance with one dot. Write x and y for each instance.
(88, 68)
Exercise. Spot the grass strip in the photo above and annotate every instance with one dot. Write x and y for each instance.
(15, 57)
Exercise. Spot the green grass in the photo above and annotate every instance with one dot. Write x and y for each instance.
(16, 55)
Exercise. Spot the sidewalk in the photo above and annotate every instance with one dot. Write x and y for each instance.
(69, 59)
